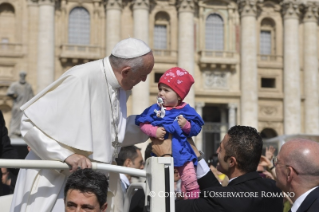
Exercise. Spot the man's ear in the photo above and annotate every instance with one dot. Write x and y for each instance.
(103, 208)
(289, 174)
(232, 162)
(125, 71)
(127, 162)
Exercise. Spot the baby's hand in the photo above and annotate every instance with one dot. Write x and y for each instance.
(181, 121)
(160, 133)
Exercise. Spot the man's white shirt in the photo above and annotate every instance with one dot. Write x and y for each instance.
(300, 200)
(125, 181)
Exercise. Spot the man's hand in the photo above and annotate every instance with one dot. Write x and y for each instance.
(191, 142)
(160, 133)
(76, 161)
(265, 162)
(181, 121)
(5, 176)
(160, 147)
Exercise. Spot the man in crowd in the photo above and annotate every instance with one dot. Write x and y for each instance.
(297, 170)
(238, 157)
(85, 190)
(7, 151)
(129, 156)
(78, 118)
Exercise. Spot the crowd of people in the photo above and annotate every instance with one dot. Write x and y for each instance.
(95, 128)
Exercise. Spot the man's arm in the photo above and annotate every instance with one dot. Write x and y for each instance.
(6, 149)
(204, 175)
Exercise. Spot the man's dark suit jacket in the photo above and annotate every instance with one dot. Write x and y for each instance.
(247, 183)
(311, 203)
(6, 151)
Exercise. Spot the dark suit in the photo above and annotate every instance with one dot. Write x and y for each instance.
(8, 152)
(311, 203)
(250, 184)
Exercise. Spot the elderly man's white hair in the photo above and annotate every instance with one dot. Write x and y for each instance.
(129, 52)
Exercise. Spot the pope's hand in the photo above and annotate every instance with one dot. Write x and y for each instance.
(76, 161)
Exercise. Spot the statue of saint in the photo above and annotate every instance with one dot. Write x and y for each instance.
(21, 92)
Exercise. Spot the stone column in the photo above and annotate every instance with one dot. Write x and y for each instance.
(199, 138)
(113, 23)
(46, 45)
(291, 12)
(311, 69)
(231, 115)
(249, 82)
(33, 23)
(140, 94)
(223, 117)
(186, 42)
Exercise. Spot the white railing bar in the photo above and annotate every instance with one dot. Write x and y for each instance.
(49, 164)
(119, 169)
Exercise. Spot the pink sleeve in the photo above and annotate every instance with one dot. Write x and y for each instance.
(148, 129)
(187, 127)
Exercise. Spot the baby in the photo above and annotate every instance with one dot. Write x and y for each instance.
(173, 116)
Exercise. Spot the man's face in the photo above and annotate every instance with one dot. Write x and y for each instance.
(222, 166)
(77, 201)
(281, 172)
(138, 162)
(133, 78)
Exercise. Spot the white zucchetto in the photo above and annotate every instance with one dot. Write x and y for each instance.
(130, 48)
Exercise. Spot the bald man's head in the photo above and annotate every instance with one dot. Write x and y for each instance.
(303, 155)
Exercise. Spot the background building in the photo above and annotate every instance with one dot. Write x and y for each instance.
(254, 62)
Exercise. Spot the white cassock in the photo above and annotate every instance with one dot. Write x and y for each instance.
(72, 115)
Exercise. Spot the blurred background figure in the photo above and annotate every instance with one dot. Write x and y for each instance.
(129, 156)
(21, 92)
(8, 176)
(177, 185)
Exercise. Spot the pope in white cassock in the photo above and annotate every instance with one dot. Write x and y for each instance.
(79, 118)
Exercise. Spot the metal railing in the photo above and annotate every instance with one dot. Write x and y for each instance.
(215, 127)
(220, 54)
(272, 58)
(159, 172)
(164, 52)
(48, 164)
(10, 48)
(81, 51)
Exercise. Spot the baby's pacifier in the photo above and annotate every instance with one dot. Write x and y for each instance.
(160, 101)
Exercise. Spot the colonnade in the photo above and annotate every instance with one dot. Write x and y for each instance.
(248, 55)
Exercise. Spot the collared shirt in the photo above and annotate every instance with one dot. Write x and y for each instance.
(126, 183)
(300, 199)
(202, 169)
(231, 179)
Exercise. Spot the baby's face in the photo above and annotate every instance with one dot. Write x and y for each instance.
(170, 98)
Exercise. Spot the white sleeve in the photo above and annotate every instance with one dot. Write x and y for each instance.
(133, 133)
(202, 169)
(42, 145)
